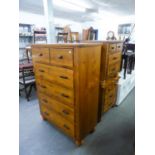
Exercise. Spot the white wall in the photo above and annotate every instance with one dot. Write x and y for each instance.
(40, 21)
(107, 23)
(30, 18)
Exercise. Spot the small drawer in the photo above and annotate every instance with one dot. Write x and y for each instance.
(112, 48)
(40, 55)
(62, 57)
(55, 74)
(119, 47)
(64, 110)
(59, 121)
(113, 70)
(113, 58)
(63, 94)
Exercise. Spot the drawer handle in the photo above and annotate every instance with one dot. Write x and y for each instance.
(66, 127)
(45, 100)
(65, 112)
(64, 77)
(47, 114)
(60, 57)
(43, 86)
(114, 58)
(64, 95)
(40, 70)
(40, 54)
(118, 46)
(110, 96)
(112, 48)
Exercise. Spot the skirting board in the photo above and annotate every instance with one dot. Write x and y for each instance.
(125, 86)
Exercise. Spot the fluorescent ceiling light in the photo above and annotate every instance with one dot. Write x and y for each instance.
(68, 5)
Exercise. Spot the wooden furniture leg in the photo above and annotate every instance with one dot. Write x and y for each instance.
(78, 142)
(125, 66)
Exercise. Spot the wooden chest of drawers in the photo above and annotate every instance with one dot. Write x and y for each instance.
(68, 78)
(110, 67)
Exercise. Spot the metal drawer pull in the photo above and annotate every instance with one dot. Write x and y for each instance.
(65, 95)
(112, 47)
(46, 113)
(114, 58)
(45, 100)
(66, 127)
(110, 96)
(43, 86)
(64, 77)
(113, 69)
(40, 70)
(60, 57)
(65, 112)
(119, 46)
(40, 54)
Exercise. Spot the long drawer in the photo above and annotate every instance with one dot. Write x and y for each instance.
(62, 109)
(55, 74)
(59, 121)
(113, 70)
(63, 94)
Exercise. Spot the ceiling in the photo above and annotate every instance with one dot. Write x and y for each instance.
(118, 7)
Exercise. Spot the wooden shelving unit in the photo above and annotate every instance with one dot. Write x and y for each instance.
(25, 38)
(40, 36)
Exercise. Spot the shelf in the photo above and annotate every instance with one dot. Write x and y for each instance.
(40, 32)
(59, 28)
(25, 36)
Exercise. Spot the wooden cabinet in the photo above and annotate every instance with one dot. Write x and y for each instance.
(68, 79)
(110, 66)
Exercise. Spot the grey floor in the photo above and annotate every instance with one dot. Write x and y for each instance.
(114, 135)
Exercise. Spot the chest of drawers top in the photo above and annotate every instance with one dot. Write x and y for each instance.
(58, 54)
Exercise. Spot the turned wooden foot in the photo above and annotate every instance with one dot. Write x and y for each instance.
(92, 130)
(79, 142)
(43, 118)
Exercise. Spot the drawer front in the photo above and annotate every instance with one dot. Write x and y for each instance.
(113, 70)
(63, 94)
(109, 101)
(110, 92)
(40, 55)
(113, 58)
(41, 70)
(62, 57)
(60, 108)
(112, 48)
(57, 75)
(119, 47)
(59, 121)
